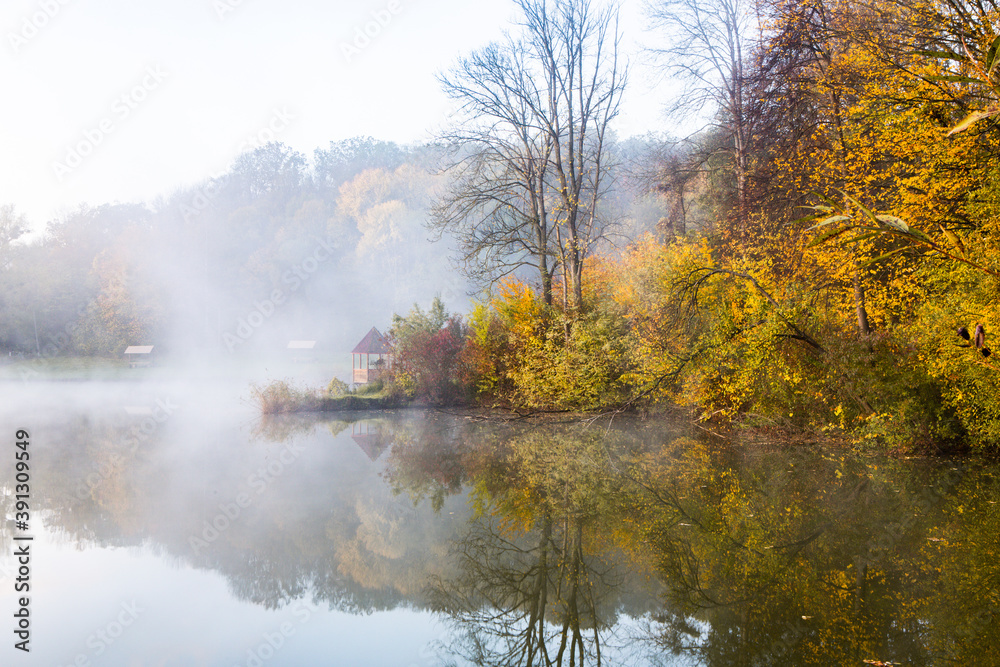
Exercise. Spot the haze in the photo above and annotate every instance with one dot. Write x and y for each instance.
(227, 66)
(218, 178)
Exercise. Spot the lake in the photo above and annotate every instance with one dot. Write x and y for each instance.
(170, 525)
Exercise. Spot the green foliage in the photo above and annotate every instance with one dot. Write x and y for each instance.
(337, 387)
(370, 388)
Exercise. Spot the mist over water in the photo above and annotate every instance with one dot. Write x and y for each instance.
(173, 499)
(168, 521)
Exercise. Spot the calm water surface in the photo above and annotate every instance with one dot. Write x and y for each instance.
(172, 527)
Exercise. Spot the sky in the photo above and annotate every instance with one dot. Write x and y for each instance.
(118, 100)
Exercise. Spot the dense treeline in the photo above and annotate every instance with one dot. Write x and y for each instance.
(840, 273)
(275, 244)
(846, 318)
(277, 248)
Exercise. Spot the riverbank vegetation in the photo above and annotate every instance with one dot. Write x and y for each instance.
(283, 396)
(830, 261)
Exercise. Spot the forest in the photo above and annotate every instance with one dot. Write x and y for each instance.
(820, 259)
(827, 262)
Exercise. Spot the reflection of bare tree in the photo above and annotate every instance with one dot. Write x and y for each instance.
(529, 599)
(271, 575)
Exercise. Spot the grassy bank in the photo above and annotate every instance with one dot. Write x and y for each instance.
(282, 397)
(210, 366)
(70, 368)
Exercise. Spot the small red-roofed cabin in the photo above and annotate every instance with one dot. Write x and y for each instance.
(370, 358)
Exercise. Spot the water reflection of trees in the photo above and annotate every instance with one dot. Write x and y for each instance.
(326, 525)
(793, 558)
(539, 580)
(538, 539)
(519, 602)
(766, 557)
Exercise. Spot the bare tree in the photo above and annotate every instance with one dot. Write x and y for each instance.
(709, 43)
(679, 170)
(532, 138)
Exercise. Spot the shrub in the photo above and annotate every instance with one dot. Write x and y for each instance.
(427, 354)
(337, 387)
(524, 353)
(279, 396)
(370, 389)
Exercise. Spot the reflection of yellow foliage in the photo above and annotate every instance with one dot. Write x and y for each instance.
(385, 544)
(812, 559)
(113, 489)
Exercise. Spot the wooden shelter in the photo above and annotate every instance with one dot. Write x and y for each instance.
(138, 355)
(364, 368)
(302, 350)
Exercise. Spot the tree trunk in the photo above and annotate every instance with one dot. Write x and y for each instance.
(859, 304)
(546, 283)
